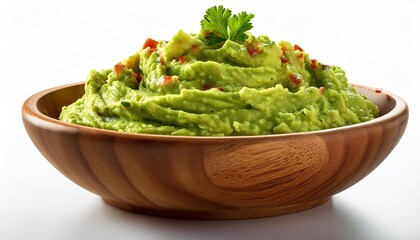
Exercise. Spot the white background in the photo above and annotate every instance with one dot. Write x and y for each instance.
(49, 43)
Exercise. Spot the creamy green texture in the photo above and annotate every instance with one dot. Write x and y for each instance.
(184, 87)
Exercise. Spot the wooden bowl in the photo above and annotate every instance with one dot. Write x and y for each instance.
(213, 177)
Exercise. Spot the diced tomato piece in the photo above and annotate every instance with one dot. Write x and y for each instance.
(284, 59)
(207, 86)
(253, 48)
(252, 51)
(300, 55)
(150, 43)
(295, 78)
(137, 76)
(182, 59)
(162, 61)
(296, 47)
(314, 64)
(321, 90)
(118, 68)
(164, 80)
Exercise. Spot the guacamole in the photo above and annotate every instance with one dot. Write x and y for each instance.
(186, 86)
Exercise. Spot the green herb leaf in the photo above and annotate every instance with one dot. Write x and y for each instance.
(238, 25)
(212, 39)
(125, 104)
(216, 21)
(220, 25)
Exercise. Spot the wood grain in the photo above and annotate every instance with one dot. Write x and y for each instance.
(212, 177)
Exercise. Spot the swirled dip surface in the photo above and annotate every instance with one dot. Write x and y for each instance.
(184, 87)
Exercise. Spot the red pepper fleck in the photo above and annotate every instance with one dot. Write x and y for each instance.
(284, 49)
(295, 78)
(206, 86)
(118, 68)
(314, 64)
(321, 90)
(284, 59)
(167, 79)
(378, 90)
(162, 61)
(300, 55)
(253, 48)
(296, 47)
(252, 51)
(182, 59)
(164, 80)
(151, 44)
(137, 76)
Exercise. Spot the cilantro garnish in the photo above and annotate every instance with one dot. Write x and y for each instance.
(220, 25)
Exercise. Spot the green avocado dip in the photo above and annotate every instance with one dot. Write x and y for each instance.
(223, 81)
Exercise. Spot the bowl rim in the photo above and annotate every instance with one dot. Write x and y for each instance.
(30, 110)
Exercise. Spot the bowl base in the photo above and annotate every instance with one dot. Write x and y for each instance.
(221, 214)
